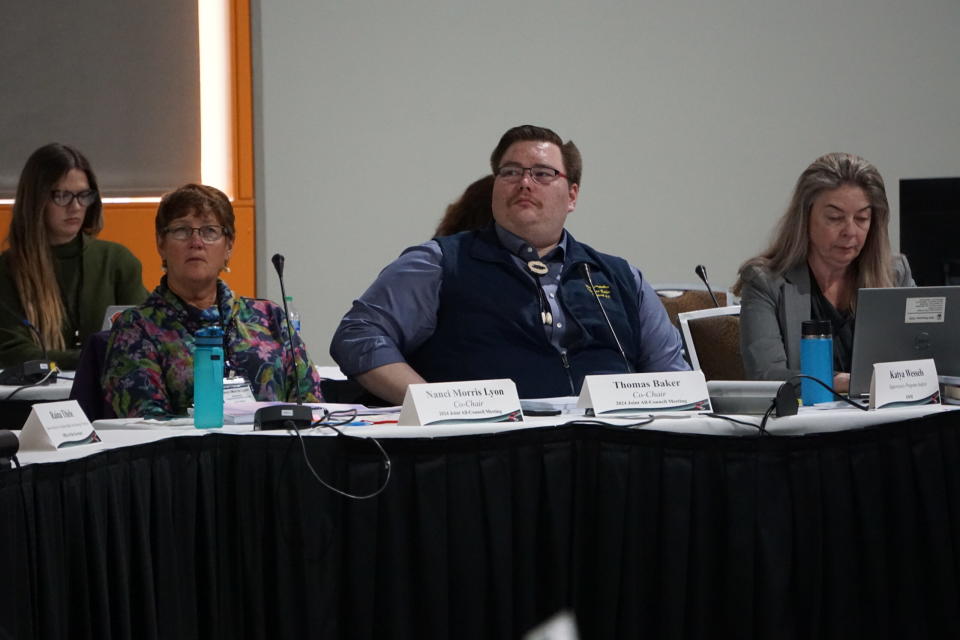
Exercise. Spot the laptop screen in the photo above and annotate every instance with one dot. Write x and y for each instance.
(905, 323)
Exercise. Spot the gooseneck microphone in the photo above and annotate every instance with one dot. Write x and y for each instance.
(701, 272)
(278, 262)
(596, 296)
(31, 372)
(285, 416)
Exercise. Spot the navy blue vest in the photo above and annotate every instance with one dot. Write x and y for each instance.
(489, 326)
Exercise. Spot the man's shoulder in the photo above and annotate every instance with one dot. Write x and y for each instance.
(462, 238)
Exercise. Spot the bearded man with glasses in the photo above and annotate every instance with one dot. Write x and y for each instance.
(519, 299)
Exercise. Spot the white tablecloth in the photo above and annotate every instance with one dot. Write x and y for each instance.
(127, 432)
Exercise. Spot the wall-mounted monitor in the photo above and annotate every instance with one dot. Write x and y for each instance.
(930, 229)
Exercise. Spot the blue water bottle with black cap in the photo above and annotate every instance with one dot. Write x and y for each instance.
(208, 378)
(816, 359)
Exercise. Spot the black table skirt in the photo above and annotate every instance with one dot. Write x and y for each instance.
(641, 534)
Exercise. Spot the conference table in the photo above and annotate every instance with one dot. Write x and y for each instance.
(15, 402)
(833, 524)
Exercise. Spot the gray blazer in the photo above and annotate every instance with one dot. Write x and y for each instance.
(772, 309)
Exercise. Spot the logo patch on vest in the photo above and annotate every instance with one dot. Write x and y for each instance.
(601, 290)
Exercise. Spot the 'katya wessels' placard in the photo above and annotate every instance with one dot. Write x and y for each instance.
(903, 384)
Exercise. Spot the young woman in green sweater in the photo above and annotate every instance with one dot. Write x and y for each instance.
(55, 274)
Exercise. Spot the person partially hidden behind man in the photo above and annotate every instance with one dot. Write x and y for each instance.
(511, 300)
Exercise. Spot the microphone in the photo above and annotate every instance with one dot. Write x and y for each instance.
(586, 274)
(9, 445)
(701, 272)
(278, 261)
(284, 416)
(32, 371)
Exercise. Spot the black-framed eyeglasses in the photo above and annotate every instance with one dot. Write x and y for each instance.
(63, 198)
(209, 233)
(539, 174)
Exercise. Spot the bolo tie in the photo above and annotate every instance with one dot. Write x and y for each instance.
(539, 269)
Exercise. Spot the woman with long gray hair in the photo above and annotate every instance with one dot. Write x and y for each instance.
(831, 242)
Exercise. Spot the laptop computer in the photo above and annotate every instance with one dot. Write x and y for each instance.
(905, 323)
(111, 314)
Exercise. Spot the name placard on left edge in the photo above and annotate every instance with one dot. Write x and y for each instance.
(609, 395)
(54, 425)
(461, 402)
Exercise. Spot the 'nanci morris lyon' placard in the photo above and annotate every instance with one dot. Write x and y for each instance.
(453, 402)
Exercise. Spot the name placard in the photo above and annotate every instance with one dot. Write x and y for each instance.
(54, 425)
(903, 384)
(237, 389)
(645, 393)
(459, 402)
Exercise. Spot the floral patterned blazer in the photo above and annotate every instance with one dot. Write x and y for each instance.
(149, 363)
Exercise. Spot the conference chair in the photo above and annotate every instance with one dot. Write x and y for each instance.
(87, 389)
(712, 339)
(681, 298)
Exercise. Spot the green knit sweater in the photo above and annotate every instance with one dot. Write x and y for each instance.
(105, 272)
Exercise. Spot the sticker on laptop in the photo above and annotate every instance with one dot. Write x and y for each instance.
(933, 309)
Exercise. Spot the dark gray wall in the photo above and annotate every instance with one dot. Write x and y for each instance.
(118, 79)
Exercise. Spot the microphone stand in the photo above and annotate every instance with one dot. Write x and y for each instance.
(284, 416)
(596, 296)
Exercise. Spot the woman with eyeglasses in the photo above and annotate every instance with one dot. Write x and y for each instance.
(149, 364)
(831, 242)
(56, 278)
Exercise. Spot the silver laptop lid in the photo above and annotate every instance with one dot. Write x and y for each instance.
(111, 314)
(905, 323)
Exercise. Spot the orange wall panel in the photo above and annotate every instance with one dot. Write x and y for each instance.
(131, 224)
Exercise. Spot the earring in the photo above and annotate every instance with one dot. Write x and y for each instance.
(226, 267)
(163, 265)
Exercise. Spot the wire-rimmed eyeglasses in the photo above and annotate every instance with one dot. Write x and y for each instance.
(209, 233)
(539, 174)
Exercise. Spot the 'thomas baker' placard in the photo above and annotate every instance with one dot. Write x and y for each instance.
(903, 384)
(453, 402)
(54, 425)
(633, 393)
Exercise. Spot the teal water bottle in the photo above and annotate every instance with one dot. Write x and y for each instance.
(816, 359)
(208, 378)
